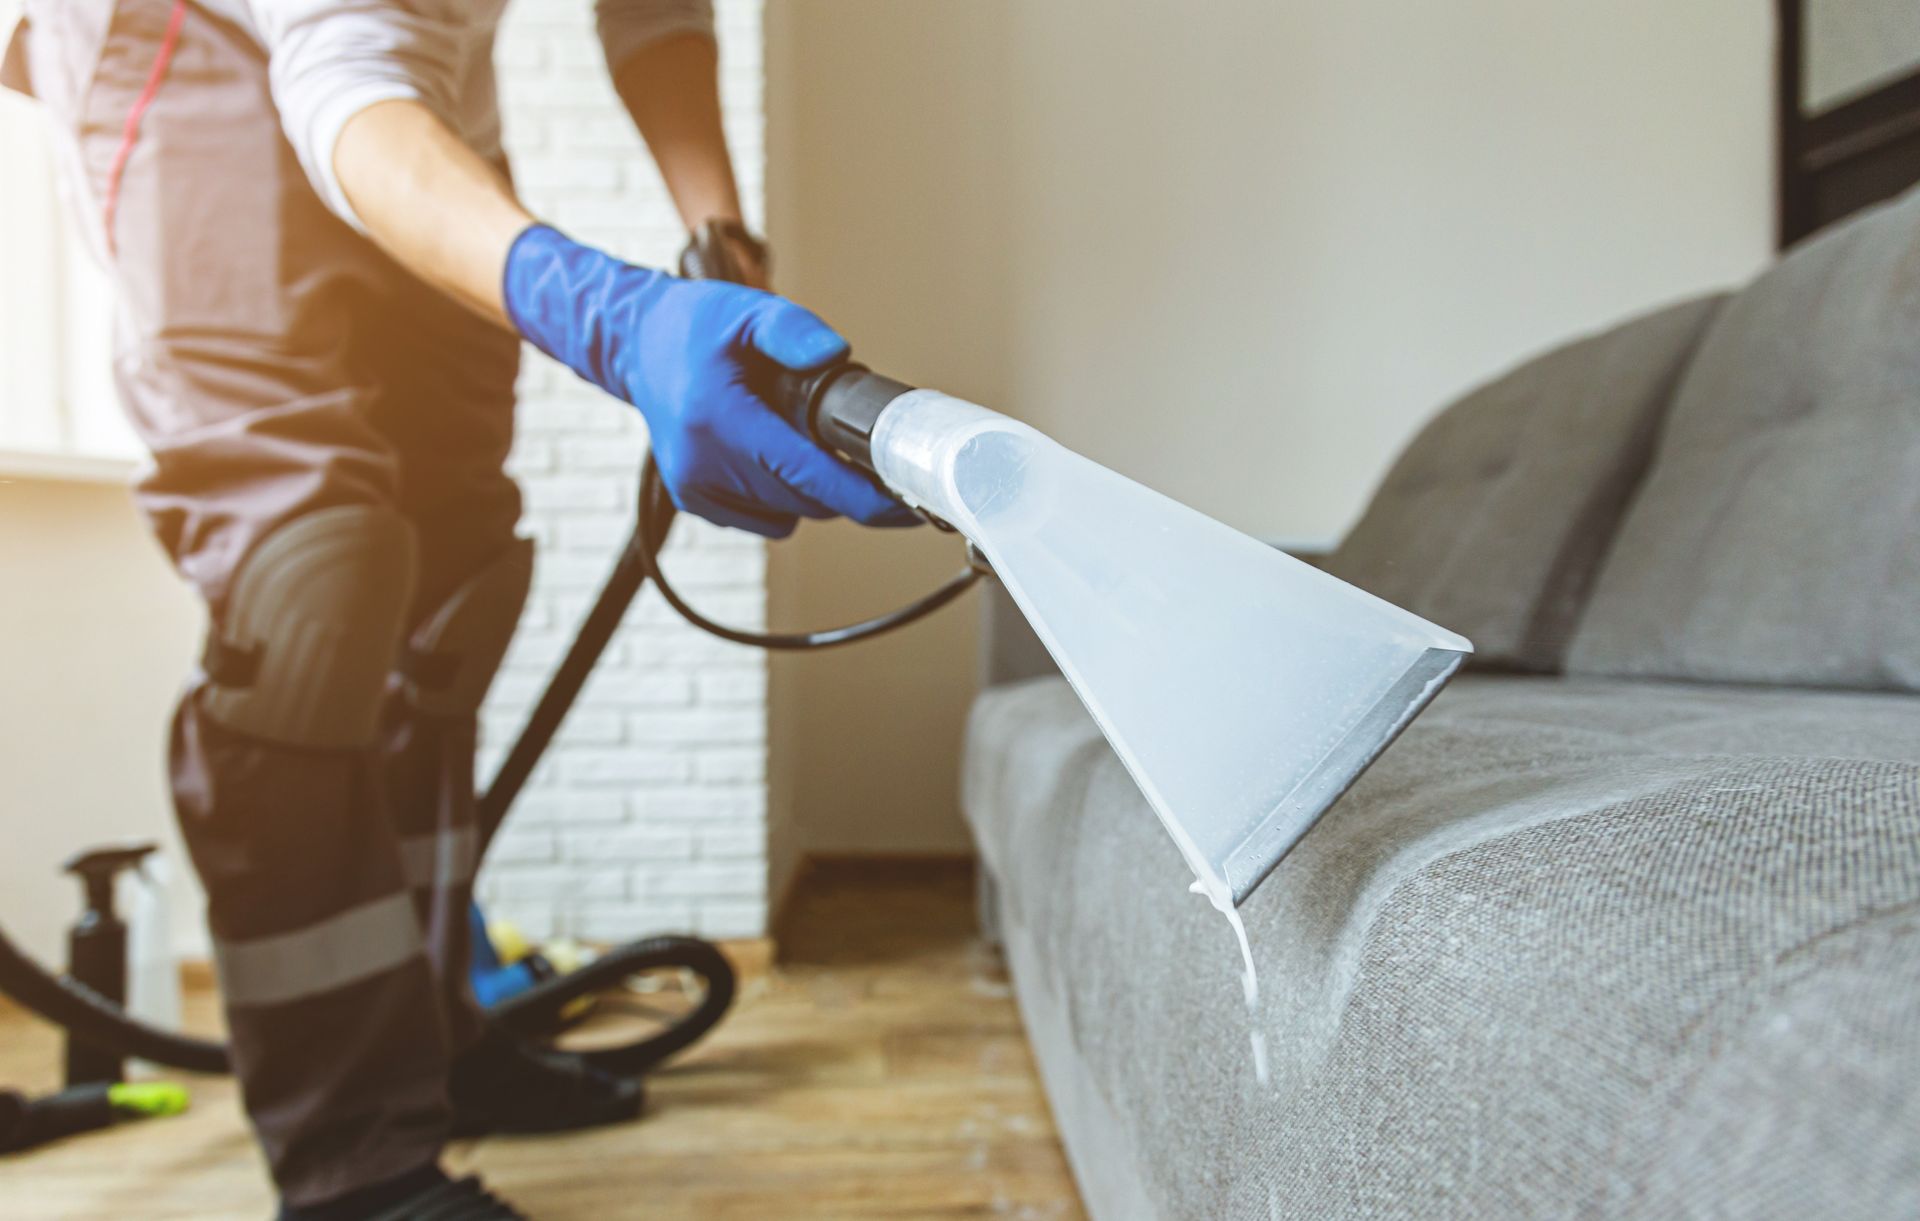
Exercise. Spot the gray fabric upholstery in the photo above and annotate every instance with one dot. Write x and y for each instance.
(1777, 535)
(1572, 947)
(1494, 521)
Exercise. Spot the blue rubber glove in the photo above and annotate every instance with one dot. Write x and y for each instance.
(688, 354)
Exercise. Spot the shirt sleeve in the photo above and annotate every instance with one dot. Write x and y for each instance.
(627, 26)
(327, 60)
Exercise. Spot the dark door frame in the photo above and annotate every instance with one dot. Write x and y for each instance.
(1844, 158)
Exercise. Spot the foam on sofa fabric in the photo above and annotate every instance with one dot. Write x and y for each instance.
(1495, 519)
(1776, 538)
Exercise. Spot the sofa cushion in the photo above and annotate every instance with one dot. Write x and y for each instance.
(1495, 519)
(1777, 535)
(1573, 945)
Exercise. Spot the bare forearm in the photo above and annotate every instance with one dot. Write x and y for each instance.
(671, 88)
(430, 201)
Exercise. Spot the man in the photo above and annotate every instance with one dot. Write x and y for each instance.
(323, 280)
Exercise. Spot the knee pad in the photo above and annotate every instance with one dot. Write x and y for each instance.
(452, 658)
(302, 654)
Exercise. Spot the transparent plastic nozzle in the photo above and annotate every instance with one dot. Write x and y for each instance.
(1243, 690)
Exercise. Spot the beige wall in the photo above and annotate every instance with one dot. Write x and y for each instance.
(883, 216)
(1237, 251)
(95, 637)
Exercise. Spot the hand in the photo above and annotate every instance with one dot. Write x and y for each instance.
(690, 355)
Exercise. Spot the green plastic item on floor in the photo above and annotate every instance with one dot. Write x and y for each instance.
(27, 1123)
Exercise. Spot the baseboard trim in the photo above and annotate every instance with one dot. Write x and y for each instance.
(780, 910)
(752, 958)
(814, 864)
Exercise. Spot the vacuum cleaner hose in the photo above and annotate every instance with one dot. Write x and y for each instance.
(539, 1010)
(93, 1018)
(655, 505)
(535, 1013)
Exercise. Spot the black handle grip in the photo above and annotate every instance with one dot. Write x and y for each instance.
(710, 255)
(841, 404)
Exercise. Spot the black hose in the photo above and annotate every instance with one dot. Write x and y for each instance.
(655, 506)
(92, 1018)
(539, 1010)
(534, 1013)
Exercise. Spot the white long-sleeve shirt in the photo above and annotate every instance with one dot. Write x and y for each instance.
(330, 59)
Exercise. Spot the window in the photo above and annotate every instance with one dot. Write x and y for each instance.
(58, 413)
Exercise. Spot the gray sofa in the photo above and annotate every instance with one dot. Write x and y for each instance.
(1628, 924)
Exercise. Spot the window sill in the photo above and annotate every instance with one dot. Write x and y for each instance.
(64, 468)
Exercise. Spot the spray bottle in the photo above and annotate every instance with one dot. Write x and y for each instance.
(97, 953)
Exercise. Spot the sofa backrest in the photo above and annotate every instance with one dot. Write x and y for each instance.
(1776, 537)
(1495, 520)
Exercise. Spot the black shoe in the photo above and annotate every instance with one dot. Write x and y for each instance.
(421, 1194)
(505, 1086)
(455, 1200)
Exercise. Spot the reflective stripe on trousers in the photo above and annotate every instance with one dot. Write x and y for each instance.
(340, 950)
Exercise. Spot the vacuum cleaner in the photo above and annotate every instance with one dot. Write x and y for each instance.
(1243, 690)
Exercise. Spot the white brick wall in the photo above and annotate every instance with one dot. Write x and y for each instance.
(648, 813)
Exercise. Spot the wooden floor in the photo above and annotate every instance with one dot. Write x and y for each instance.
(879, 1072)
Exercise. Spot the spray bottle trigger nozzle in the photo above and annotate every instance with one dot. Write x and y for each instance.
(99, 868)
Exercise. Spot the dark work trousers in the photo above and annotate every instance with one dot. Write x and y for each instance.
(276, 364)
